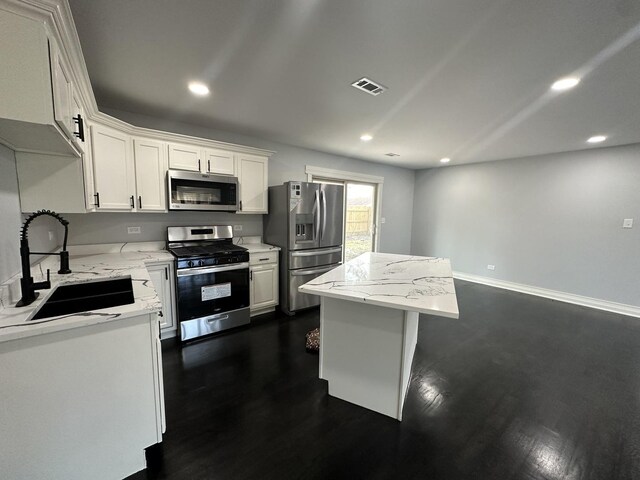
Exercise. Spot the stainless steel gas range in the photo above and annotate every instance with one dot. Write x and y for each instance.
(212, 279)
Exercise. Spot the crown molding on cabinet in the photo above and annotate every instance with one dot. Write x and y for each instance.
(58, 20)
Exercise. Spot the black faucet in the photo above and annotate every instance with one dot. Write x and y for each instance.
(29, 287)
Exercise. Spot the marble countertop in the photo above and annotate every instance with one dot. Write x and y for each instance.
(404, 282)
(15, 323)
(259, 247)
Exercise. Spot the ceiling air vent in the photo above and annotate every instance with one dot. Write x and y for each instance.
(369, 86)
(391, 154)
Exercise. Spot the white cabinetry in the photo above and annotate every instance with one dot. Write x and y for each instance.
(204, 160)
(88, 400)
(151, 169)
(114, 173)
(263, 287)
(252, 171)
(35, 104)
(161, 275)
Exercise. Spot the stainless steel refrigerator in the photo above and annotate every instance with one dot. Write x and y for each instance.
(305, 220)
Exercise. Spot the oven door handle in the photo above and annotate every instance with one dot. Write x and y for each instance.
(203, 271)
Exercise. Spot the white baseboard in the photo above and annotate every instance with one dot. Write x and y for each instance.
(614, 307)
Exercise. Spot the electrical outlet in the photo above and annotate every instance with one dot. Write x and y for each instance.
(491, 267)
(627, 223)
(237, 228)
(383, 220)
(133, 230)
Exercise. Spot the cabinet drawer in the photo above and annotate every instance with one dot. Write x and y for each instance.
(263, 257)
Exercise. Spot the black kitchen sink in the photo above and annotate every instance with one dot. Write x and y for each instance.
(87, 296)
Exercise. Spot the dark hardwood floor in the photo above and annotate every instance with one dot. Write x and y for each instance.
(519, 387)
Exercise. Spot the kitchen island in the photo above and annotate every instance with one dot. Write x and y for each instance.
(369, 324)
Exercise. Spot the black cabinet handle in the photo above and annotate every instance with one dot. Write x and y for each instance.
(80, 122)
(97, 197)
(166, 273)
(199, 167)
(251, 275)
(133, 203)
(209, 166)
(240, 205)
(140, 202)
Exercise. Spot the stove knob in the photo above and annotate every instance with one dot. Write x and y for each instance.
(190, 263)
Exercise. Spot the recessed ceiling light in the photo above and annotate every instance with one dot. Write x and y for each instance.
(597, 139)
(445, 160)
(198, 88)
(565, 84)
(365, 137)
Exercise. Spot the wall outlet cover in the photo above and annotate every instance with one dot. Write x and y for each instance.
(133, 230)
(383, 220)
(627, 223)
(491, 267)
(237, 228)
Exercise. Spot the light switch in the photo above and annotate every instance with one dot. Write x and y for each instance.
(627, 223)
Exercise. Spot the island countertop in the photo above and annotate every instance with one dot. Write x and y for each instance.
(404, 282)
(15, 322)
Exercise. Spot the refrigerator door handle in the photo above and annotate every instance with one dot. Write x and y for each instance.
(316, 216)
(316, 253)
(312, 271)
(324, 213)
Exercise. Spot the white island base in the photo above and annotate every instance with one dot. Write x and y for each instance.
(369, 324)
(366, 353)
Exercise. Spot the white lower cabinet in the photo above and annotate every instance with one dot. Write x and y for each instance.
(82, 403)
(263, 285)
(162, 277)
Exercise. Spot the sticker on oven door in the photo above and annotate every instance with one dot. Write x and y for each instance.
(211, 292)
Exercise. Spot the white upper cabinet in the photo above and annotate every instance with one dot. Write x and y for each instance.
(151, 169)
(184, 157)
(219, 162)
(113, 169)
(203, 160)
(252, 171)
(35, 103)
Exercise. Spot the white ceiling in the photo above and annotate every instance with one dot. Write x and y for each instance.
(467, 79)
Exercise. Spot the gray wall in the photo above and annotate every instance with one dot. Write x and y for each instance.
(10, 218)
(287, 164)
(11, 221)
(112, 227)
(551, 221)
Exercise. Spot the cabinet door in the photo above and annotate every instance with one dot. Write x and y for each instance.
(219, 162)
(160, 275)
(113, 169)
(253, 180)
(184, 157)
(62, 92)
(80, 134)
(151, 169)
(264, 286)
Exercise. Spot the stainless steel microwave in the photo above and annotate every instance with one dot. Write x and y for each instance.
(201, 191)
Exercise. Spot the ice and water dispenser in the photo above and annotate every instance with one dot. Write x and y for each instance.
(305, 221)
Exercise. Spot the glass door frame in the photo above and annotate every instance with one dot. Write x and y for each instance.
(318, 174)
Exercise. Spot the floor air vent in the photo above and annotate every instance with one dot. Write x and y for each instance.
(369, 86)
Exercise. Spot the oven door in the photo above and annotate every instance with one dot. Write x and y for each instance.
(196, 191)
(209, 291)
